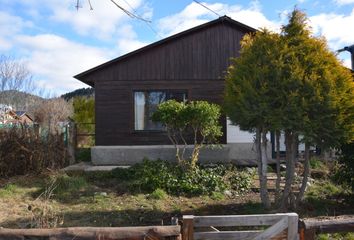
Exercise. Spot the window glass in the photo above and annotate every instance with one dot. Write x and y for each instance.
(145, 104)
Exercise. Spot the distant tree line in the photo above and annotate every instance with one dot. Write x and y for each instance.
(81, 92)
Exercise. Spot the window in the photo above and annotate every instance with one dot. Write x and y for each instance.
(145, 104)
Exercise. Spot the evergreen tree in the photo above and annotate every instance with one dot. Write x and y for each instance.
(290, 82)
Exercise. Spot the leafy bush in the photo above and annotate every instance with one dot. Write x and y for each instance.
(182, 120)
(152, 175)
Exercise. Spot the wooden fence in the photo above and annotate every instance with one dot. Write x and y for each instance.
(270, 226)
(308, 228)
(280, 226)
(86, 233)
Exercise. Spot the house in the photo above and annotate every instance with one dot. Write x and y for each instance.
(10, 117)
(23, 118)
(189, 65)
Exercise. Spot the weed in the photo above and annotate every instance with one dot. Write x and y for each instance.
(325, 189)
(217, 196)
(43, 212)
(316, 163)
(68, 184)
(158, 194)
(338, 236)
(9, 190)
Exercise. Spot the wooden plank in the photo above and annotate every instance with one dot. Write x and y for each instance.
(226, 235)
(188, 227)
(131, 233)
(238, 220)
(273, 230)
(339, 224)
(293, 220)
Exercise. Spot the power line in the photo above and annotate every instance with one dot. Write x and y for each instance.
(147, 23)
(217, 14)
(130, 14)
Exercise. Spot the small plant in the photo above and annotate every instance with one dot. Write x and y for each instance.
(64, 185)
(324, 190)
(8, 190)
(217, 196)
(43, 212)
(67, 183)
(338, 236)
(316, 163)
(158, 194)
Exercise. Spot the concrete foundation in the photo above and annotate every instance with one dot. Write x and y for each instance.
(237, 153)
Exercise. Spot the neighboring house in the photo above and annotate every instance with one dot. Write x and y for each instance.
(23, 118)
(15, 117)
(9, 117)
(189, 65)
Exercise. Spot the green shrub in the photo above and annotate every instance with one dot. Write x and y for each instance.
(158, 194)
(151, 175)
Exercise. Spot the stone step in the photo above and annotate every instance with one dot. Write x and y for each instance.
(89, 167)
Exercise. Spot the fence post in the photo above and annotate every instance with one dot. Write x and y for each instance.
(293, 221)
(188, 227)
(72, 142)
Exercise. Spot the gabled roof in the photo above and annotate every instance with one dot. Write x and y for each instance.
(20, 113)
(223, 19)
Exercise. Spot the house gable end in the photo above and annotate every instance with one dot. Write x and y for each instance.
(202, 52)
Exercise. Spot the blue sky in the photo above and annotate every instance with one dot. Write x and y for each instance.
(57, 41)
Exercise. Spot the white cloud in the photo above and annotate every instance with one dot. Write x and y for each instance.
(335, 27)
(129, 40)
(344, 2)
(102, 22)
(10, 25)
(194, 14)
(53, 60)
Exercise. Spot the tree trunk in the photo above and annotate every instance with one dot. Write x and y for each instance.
(305, 175)
(262, 165)
(277, 183)
(290, 143)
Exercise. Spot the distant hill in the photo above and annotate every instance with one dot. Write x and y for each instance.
(81, 92)
(20, 101)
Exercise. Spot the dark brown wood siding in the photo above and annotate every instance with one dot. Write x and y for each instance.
(196, 62)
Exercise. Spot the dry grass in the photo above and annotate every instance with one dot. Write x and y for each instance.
(106, 203)
(100, 200)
